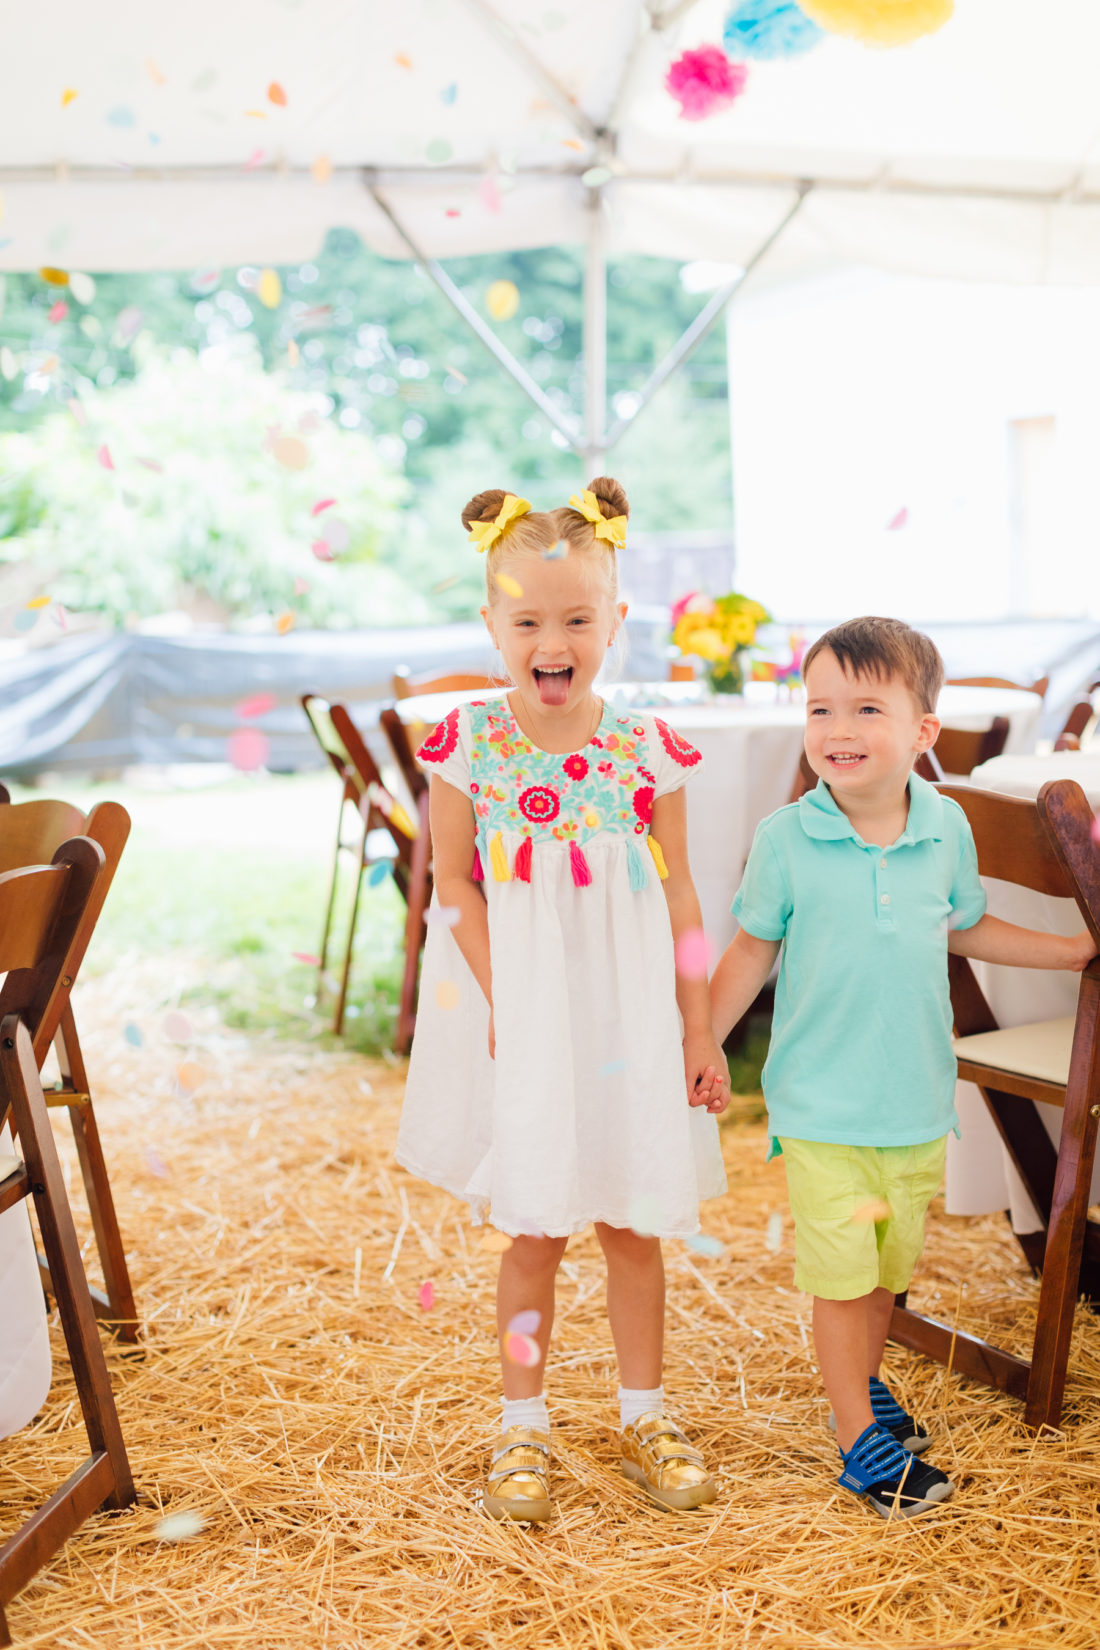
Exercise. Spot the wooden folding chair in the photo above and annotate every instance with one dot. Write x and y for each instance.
(377, 810)
(960, 750)
(1078, 719)
(46, 915)
(1046, 846)
(30, 833)
(405, 685)
(1039, 686)
(420, 871)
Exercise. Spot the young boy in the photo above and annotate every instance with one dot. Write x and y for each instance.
(866, 883)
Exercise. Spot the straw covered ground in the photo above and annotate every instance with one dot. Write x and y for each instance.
(293, 1394)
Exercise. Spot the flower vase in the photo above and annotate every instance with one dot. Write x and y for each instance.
(727, 675)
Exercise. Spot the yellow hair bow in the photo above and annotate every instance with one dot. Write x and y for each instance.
(486, 533)
(614, 531)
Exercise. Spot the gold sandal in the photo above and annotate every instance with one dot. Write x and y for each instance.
(519, 1476)
(660, 1458)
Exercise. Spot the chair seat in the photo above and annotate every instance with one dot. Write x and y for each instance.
(1040, 1050)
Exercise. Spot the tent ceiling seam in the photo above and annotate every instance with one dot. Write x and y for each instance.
(516, 49)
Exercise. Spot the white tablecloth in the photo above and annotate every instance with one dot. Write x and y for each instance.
(750, 751)
(24, 1335)
(980, 1175)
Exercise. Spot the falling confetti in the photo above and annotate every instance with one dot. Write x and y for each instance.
(438, 152)
(611, 1068)
(104, 457)
(322, 550)
(488, 193)
(255, 159)
(300, 586)
(9, 366)
(177, 1027)
(189, 1077)
(122, 116)
(336, 534)
(898, 521)
(1096, 828)
(525, 1323)
(510, 586)
(151, 464)
(247, 749)
(156, 1163)
(595, 176)
(39, 601)
(502, 300)
(693, 953)
(321, 170)
(77, 409)
(447, 994)
(275, 94)
(449, 93)
(290, 451)
(257, 704)
(402, 60)
(644, 1215)
(206, 280)
(306, 957)
(269, 289)
(379, 871)
(82, 287)
(494, 1242)
(572, 143)
(322, 505)
(153, 72)
(557, 550)
(68, 95)
(128, 323)
(50, 364)
(452, 212)
(704, 1244)
(54, 277)
(773, 1236)
(292, 353)
(426, 1295)
(256, 114)
(58, 311)
(24, 621)
(133, 1036)
(521, 1349)
(442, 916)
(876, 1209)
(179, 1526)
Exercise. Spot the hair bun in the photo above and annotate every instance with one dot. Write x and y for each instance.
(610, 495)
(483, 507)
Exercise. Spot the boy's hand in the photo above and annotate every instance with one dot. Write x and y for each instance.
(706, 1075)
(1079, 950)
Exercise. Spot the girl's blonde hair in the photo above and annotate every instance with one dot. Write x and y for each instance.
(580, 533)
(524, 537)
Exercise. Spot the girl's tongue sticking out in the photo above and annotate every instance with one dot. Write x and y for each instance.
(553, 685)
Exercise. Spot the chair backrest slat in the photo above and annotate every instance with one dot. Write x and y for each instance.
(960, 750)
(1013, 844)
(31, 831)
(1065, 811)
(456, 681)
(30, 900)
(42, 954)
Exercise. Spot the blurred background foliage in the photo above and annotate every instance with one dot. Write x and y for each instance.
(189, 381)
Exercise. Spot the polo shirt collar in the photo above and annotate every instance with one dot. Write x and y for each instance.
(820, 817)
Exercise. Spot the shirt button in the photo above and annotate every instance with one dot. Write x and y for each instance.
(882, 864)
(884, 899)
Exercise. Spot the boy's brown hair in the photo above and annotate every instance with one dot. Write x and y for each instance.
(887, 648)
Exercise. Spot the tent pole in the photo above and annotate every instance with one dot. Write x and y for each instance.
(515, 47)
(488, 337)
(595, 336)
(701, 325)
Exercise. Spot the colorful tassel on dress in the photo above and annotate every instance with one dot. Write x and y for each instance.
(635, 864)
(477, 872)
(658, 858)
(521, 868)
(498, 859)
(582, 876)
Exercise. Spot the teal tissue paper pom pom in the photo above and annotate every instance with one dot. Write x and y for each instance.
(769, 28)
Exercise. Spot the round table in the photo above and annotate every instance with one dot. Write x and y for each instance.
(751, 748)
(980, 1176)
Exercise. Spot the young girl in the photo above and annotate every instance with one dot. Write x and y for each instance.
(550, 1075)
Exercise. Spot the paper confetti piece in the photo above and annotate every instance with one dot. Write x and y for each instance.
(255, 159)
(773, 1236)
(525, 1323)
(275, 94)
(177, 1027)
(50, 364)
(306, 957)
(322, 550)
(68, 95)
(447, 994)
(449, 93)
(322, 505)
(291, 452)
(269, 289)
(521, 1349)
(257, 704)
(897, 522)
(57, 312)
(24, 621)
(611, 1068)
(595, 176)
(285, 623)
(156, 1163)
(875, 1210)
(189, 1077)
(133, 1036)
(644, 1215)
(256, 114)
(426, 1295)
(557, 550)
(206, 280)
(128, 323)
(39, 601)
(179, 1526)
(402, 60)
(292, 353)
(247, 749)
(438, 152)
(153, 72)
(502, 300)
(151, 464)
(103, 456)
(321, 170)
(122, 116)
(82, 287)
(78, 411)
(572, 143)
(336, 534)
(452, 212)
(379, 871)
(510, 586)
(693, 953)
(704, 1244)
(494, 1242)
(442, 916)
(54, 277)
(9, 366)
(300, 586)
(488, 194)
(60, 617)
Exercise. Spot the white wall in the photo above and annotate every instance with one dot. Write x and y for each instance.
(858, 394)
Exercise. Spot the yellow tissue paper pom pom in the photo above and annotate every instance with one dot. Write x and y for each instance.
(880, 22)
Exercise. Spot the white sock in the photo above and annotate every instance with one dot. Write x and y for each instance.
(636, 1401)
(524, 1412)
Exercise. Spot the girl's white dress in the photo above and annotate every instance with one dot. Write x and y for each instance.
(583, 1114)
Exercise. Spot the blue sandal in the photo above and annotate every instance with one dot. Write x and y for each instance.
(890, 1416)
(896, 1483)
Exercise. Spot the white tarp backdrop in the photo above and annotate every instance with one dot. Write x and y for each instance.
(973, 153)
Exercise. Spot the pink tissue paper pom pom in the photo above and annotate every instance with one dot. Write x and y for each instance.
(704, 80)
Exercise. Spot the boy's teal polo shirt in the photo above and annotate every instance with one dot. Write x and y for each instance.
(861, 1038)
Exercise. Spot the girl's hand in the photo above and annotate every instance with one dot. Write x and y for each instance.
(1079, 950)
(706, 1075)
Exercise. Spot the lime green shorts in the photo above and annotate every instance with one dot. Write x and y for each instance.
(859, 1213)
